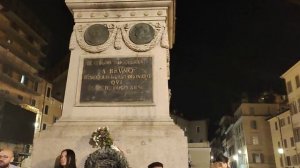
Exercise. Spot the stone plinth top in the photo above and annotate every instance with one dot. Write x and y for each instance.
(100, 5)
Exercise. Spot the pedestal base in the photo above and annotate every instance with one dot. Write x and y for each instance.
(141, 142)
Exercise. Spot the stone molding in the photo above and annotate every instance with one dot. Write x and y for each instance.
(97, 6)
(119, 33)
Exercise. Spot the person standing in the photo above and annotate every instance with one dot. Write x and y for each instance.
(6, 157)
(221, 161)
(156, 165)
(67, 159)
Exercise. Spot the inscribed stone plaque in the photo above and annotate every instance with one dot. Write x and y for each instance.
(113, 80)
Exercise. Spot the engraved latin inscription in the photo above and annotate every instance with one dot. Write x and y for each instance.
(117, 80)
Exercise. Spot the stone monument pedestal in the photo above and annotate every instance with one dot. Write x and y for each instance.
(118, 77)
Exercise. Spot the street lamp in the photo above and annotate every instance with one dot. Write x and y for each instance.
(281, 151)
(235, 157)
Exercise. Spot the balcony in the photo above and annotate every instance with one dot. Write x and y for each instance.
(6, 79)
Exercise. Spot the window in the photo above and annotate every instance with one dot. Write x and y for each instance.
(282, 122)
(24, 80)
(258, 158)
(33, 102)
(281, 162)
(36, 86)
(293, 108)
(251, 109)
(285, 143)
(288, 161)
(294, 160)
(46, 109)
(289, 120)
(298, 104)
(55, 119)
(20, 97)
(297, 81)
(292, 141)
(279, 146)
(276, 126)
(48, 91)
(30, 39)
(44, 126)
(289, 87)
(255, 140)
(198, 129)
(297, 134)
(253, 124)
(6, 70)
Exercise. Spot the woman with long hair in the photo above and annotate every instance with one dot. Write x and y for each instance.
(67, 159)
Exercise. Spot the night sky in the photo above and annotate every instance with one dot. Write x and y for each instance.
(222, 49)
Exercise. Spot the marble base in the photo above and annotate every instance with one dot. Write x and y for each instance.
(141, 142)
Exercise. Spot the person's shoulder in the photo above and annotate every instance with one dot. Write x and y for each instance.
(13, 166)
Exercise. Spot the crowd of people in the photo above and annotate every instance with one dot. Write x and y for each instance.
(67, 159)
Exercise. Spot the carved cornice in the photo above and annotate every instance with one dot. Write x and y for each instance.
(117, 35)
(104, 5)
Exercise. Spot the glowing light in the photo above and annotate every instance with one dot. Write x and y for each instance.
(211, 157)
(235, 157)
(239, 151)
(280, 151)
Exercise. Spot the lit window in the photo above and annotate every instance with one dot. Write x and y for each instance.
(255, 140)
(258, 158)
(24, 79)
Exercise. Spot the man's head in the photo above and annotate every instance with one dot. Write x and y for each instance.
(6, 156)
(156, 165)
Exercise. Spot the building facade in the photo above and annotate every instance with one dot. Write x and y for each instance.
(292, 81)
(285, 151)
(198, 146)
(21, 51)
(247, 142)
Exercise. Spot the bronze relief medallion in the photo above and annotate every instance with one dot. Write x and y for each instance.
(96, 34)
(141, 33)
